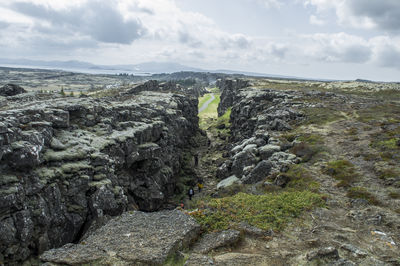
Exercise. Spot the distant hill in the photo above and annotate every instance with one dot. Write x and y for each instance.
(145, 69)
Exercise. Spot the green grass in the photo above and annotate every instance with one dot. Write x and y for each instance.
(301, 179)
(387, 112)
(204, 99)
(210, 114)
(269, 211)
(362, 193)
(343, 171)
(320, 116)
(310, 146)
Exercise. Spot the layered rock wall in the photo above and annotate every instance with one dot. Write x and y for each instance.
(66, 161)
(257, 114)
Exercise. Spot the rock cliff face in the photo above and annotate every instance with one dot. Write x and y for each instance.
(168, 86)
(229, 89)
(255, 115)
(66, 161)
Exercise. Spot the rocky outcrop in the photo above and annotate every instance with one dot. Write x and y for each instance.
(216, 240)
(229, 89)
(256, 115)
(134, 238)
(168, 86)
(64, 162)
(11, 90)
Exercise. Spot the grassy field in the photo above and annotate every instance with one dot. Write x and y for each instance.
(208, 115)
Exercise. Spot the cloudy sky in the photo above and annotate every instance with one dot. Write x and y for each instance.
(337, 39)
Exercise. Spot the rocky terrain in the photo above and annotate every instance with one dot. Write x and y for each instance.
(65, 162)
(294, 172)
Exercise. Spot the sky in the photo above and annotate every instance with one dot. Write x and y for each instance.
(329, 39)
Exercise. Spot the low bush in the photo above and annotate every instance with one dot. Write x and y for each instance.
(270, 211)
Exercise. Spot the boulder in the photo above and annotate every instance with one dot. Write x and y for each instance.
(254, 231)
(267, 151)
(132, 238)
(260, 172)
(227, 182)
(241, 160)
(216, 240)
(325, 252)
(11, 90)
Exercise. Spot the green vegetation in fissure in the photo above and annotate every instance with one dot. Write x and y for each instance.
(268, 211)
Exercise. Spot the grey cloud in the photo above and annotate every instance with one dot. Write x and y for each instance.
(98, 19)
(279, 52)
(356, 54)
(186, 38)
(384, 13)
(4, 24)
(389, 57)
(235, 41)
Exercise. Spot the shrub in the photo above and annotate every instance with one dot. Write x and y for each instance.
(270, 211)
(343, 171)
(362, 193)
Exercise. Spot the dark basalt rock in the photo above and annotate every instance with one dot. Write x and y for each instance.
(255, 115)
(136, 238)
(64, 162)
(11, 90)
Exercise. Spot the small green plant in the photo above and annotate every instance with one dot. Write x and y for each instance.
(343, 171)
(300, 179)
(62, 92)
(362, 193)
(71, 94)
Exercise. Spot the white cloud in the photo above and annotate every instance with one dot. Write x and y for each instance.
(316, 20)
(371, 14)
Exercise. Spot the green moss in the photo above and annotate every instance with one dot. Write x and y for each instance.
(311, 139)
(301, 179)
(7, 179)
(176, 259)
(362, 193)
(309, 147)
(270, 211)
(342, 170)
(47, 174)
(8, 191)
(70, 154)
(387, 112)
(100, 183)
(388, 173)
(320, 116)
(75, 167)
(387, 144)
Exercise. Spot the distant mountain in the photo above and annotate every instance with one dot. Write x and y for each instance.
(136, 69)
(150, 67)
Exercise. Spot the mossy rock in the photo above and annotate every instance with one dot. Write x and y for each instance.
(8, 179)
